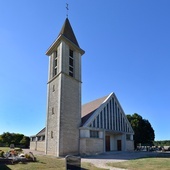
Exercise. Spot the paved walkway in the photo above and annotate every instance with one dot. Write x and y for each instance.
(117, 156)
(101, 160)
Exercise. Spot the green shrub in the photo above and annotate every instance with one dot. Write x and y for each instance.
(2, 154)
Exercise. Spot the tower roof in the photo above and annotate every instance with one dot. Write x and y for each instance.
(67, 31)
(65, 34)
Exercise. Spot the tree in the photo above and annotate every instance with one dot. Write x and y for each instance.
(144, 132)
(25, 142)
(14, 138)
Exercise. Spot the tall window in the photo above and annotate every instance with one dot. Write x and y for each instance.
(55, 63)
(104, 118)
(71, 63)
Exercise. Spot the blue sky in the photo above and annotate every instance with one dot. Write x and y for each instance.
(127, 44)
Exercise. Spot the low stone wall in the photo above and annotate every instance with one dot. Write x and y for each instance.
(37, 145)
(33, 145)
(129, 145)
(41, 146)
(91, 145)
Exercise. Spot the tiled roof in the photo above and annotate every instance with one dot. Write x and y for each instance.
(89, 108)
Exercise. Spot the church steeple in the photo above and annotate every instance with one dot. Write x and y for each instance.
(64, 94)
(66, 34)
(67, 31)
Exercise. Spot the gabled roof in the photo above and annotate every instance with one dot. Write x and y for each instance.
(89, 108)
(67, 31)
(109, 110)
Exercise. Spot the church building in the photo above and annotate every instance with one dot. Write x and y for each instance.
(96, 127)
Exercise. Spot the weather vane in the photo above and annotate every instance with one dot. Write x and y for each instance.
(67, 9)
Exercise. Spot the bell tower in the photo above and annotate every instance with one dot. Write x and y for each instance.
(64, 94)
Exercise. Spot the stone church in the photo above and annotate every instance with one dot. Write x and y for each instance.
(71, 128)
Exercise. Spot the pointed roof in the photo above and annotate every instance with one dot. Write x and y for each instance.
(68, 36)
(92, 110)
(67, 31)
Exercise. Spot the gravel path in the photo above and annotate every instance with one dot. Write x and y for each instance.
(102, 159)
(101, 163)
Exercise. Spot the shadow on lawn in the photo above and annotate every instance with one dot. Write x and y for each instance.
(4, 167)
(121, 155)
(163, 155)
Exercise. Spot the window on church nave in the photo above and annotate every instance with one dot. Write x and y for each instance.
(71, 63)
(94, 134)
(128, 137)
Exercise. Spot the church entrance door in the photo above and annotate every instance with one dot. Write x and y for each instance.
(119, 145)
(107, 142)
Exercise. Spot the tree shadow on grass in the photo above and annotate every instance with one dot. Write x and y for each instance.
(163, 155)
(4, 167)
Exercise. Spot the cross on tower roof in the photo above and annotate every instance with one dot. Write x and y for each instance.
(67, 9)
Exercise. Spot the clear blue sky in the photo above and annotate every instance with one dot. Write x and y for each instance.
(127, 44)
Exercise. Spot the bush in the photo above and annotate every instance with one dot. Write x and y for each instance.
(1, 153)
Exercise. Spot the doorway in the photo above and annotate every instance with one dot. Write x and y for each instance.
(107, 143)
(119, 145)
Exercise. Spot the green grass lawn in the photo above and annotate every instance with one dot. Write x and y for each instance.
(53, 163)
(43, 163)
(5, 149)
(144, 164)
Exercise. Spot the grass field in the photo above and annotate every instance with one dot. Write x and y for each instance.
(52, 163)
(144, 164)
(5, 149)
(43, 163)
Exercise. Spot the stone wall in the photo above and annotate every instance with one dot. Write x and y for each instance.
(33, 145)
(91, 145)
(37, 145)
(129, 145)
(41, 146)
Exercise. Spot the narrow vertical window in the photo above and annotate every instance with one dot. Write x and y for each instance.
(53, 88)
(98, 121)
(118, 119)
(71, 63)
(52, 110)
(94, 123)
(101, 119)
(116, 128)
(111, 115)
(104, 118)
(108, 116)
(55, 63)
(52, 134)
